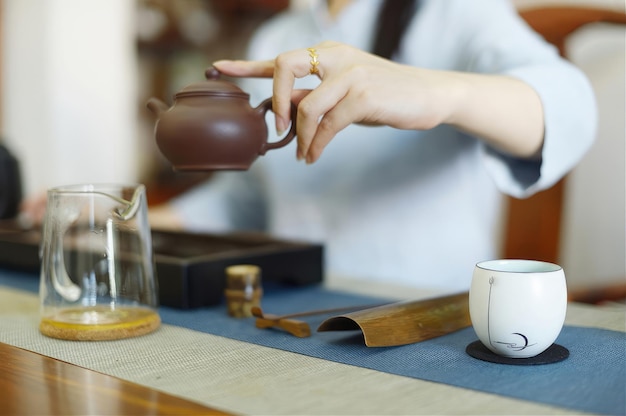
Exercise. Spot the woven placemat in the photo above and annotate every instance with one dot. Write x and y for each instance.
(592, 379)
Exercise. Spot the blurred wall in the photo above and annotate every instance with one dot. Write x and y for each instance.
(593, 231)
(609, 4)
(69, 90)
(593, 238)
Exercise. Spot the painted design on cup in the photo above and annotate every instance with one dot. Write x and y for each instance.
(515, 346)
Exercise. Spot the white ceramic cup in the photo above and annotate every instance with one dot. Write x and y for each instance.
(517, 307)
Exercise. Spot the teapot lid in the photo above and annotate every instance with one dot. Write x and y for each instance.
(213, 86)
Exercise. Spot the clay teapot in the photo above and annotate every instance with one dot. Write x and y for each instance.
(212, 126)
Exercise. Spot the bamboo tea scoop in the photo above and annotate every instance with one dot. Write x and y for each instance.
(405, 322)
(295, 327)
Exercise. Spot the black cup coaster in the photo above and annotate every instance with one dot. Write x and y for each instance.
(553, 354)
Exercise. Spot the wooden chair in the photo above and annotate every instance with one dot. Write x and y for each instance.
(533, 225)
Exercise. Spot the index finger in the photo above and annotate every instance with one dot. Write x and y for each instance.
(287, 67)
(238, 68)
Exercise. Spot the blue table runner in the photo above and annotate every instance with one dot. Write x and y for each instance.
(592, 379)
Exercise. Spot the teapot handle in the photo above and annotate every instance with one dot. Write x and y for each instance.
(262, 109)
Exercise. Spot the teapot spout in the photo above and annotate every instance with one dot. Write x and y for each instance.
(156, 106)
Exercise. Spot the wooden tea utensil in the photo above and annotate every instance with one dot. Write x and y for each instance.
(295, 327)
(405, 322)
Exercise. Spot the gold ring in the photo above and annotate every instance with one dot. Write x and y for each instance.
(314, 61)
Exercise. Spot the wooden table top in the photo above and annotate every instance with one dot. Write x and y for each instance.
(34, 384)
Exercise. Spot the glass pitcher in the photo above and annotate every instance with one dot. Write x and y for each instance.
(97, 270)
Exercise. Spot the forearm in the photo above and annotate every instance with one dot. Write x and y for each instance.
(503, 111)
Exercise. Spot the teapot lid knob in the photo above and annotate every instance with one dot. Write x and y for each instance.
(213, 86)
(212, 73)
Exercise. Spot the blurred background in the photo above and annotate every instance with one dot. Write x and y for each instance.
(75, 76)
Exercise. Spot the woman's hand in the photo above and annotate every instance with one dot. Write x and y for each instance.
(358, 87)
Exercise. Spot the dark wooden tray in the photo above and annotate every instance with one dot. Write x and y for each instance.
(190, 267)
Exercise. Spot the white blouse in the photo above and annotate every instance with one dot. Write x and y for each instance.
(411, 207)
